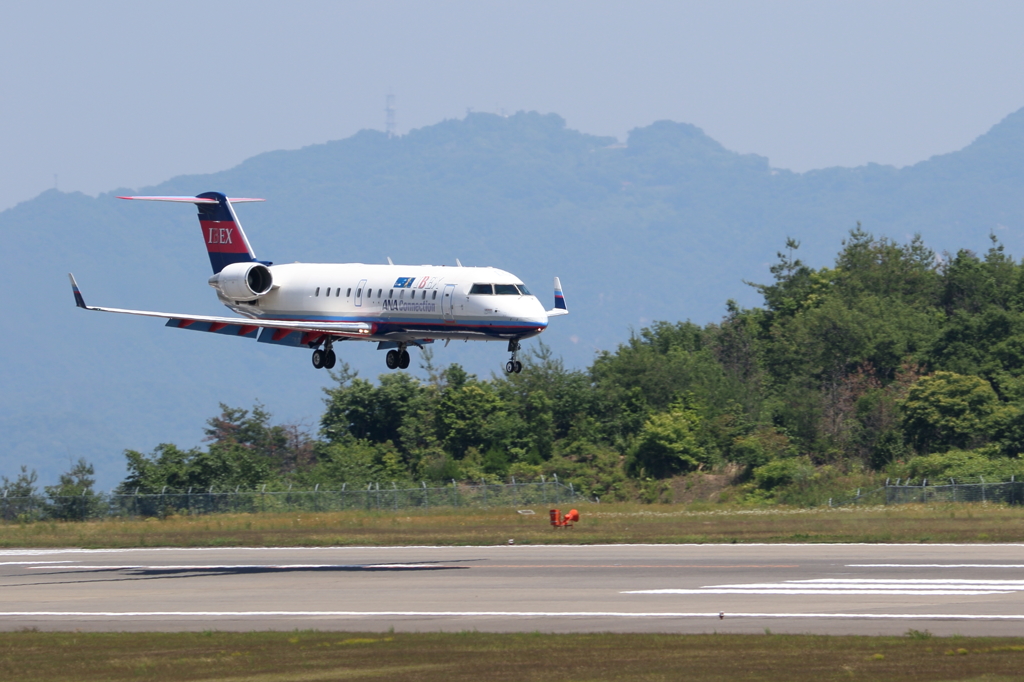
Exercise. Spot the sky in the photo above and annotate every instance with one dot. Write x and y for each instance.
(104, 95)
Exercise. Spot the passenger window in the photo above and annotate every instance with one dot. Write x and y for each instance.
(379, 291)
(434, 297)
(401, 294)
(328, 292)
(481, 289)
(337, 291)
(359, 293)
(506, 290)
(318, 291)
(391, 293)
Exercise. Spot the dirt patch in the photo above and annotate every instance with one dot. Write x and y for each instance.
(698, 486)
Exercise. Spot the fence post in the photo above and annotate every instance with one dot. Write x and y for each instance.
(394, 486)
(515, 498)
(316, 497)
(572, 492)
(544, 489)
(455, 493)
(484, 484)
(426, 495)
(982, 488)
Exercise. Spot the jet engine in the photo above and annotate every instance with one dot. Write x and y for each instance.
(243, 281)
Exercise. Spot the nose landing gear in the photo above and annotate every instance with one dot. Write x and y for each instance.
(325, 358)
(397, 359)
(513, 366)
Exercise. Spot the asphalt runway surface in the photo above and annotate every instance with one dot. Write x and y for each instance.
(825, 589)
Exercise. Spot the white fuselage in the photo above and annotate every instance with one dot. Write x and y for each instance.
(402, 303)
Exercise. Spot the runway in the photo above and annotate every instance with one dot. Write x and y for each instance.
(824, 589)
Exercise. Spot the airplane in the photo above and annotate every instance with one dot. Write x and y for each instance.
(316, 305)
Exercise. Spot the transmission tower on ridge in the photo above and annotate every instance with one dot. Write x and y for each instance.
(389, 117)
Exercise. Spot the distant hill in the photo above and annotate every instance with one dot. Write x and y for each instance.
(664, 227)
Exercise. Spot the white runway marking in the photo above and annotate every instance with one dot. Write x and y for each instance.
(935, 565)
(497, 614)
(33, 563)
(857, 586)
(231, 567)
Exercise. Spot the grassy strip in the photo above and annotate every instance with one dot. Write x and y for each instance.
(306, 656)
(599, 524)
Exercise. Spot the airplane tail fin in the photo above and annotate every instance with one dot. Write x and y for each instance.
(226, 243)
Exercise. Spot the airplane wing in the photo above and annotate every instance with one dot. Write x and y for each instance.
(283, 332)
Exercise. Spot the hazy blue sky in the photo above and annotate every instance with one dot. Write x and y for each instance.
(114, 94)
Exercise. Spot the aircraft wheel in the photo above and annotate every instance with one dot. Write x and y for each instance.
(519, 367)
(403, 361)
(510, 367)
(318, 358)
(392, 359)
(330, 360)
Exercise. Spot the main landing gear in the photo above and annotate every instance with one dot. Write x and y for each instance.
(513, 366)
(325, 358)
(397, 359)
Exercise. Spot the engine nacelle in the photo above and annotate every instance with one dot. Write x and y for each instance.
(243, 281)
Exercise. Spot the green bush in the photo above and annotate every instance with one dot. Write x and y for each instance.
(782, 472)
(963, 465)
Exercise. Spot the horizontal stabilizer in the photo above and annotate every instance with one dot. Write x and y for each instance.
(194, 200)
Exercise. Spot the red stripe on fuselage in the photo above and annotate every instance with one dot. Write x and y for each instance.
(222, 236)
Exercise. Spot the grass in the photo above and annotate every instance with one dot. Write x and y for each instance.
(451, 657)
(618, 523)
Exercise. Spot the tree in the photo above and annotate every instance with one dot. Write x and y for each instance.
(22, 486)
(168, 467)
(947, 410)
(670, 443)
(285, 447)
(73, 498)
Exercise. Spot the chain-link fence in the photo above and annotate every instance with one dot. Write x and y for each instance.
(952, 490)
(373, 498)
(924, 490)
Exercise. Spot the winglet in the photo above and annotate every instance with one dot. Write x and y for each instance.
(79, 301)
(559, 308)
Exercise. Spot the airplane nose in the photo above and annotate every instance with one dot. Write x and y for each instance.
(533, 313)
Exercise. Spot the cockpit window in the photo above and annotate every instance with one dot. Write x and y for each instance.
(481, 289)
(523, 290)
(506, 290)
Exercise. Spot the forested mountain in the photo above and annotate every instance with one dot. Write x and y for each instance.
(666, 227)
